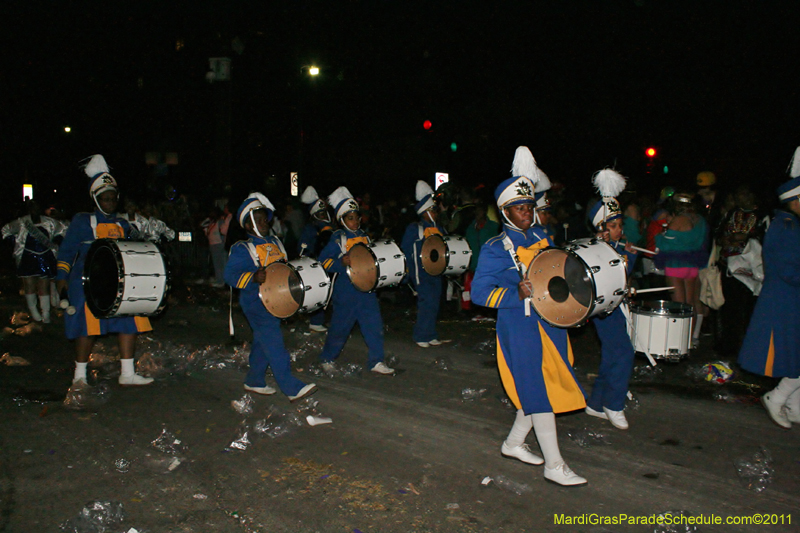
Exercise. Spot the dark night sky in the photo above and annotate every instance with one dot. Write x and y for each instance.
(583, 83)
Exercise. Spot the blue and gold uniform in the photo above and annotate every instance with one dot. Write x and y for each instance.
(268, 349)
(429, 288)
(350, 305)
(534, 358)
(82, 231)
(771, 346)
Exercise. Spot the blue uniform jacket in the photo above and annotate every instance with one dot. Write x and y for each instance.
(534, 358)
(241, 266)
(772, 344)
(309, 237)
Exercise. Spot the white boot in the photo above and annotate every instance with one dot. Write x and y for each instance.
(44, 303)
(31, 300)
(791, 405)
(774, 401)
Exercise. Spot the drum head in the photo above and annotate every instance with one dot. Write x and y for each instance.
(282, 290)
(101, 279)
(363, 270)
(434, 255)
(563, 291)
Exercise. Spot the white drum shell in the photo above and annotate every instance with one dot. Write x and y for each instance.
(662, 335)
(145, 278)
(459, 255)
(314, 281)
(608, 272)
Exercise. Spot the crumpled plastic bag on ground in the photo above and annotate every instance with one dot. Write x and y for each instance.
(82, 396)
(244, 405)
(442, 363)
(13, 360)
(277, 423)
(242, 440)
(507, 484)
(673, 527)
(586, 438)
(168, 443)
(646, 373)
(755, 472)
(470, 394)
(96, 517)
(487, 347)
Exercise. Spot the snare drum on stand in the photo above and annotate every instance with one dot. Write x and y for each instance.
(661, 328)
(585, 278)
(125, 278)
(299, 286)
(448, 254)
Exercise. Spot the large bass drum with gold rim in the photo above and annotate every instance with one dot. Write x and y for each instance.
(584, 279)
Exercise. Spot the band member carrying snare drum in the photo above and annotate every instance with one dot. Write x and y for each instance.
(314, 237)
(82, 326)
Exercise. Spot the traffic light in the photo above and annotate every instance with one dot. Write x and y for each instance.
(427, 124)
(650, 152)
(453, 147)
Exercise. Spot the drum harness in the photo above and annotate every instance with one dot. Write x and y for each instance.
(509, 247)
(254, 255)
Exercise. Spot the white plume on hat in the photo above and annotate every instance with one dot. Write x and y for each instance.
(422, 190)
(309, 195)
(609, 183)
(96, 165)
(794, 166)
(544, 183)
(525, 165)
(342, 202)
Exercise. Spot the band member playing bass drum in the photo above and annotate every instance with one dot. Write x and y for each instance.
(534, 358)
(314, 237)
(82, 326)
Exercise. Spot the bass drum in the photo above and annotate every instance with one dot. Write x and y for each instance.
(584, 279)
(661, 328)
(299, 286)
(445, 254)
(376, 265)
(125, 278)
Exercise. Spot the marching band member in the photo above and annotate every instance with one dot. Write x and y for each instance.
(83, 326)
(610, 389)
(34, 253)
(534, 359)
(245, 270)
(772, 344)
(350, 305)
(427, 287)
(313, 238)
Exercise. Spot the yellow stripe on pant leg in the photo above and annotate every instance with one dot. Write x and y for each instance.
(562, 390)
(505, 376)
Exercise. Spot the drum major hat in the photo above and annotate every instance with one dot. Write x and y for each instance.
(520, 188)
(342, 202)
(100, 180)
(252, 203)
(791, 189)
(609, 184)
(312, 200)
(544, 185)
(424, 195)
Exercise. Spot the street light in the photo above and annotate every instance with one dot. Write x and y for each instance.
(313, 71)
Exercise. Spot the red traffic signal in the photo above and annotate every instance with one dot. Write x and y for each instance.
(650, 152)
(427, 124)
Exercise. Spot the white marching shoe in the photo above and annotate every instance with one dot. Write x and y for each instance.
(597, 414)
(266, 390)
(381, 368)
(776, 411)
(319, 328)
(308, 390)
(134, 380)
(562, 475)
(521, 452)
(617, 418)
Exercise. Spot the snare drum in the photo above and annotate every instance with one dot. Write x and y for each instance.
(125, 278)
(301, 285)
(661, 328)
(448, 254)
(583, 279)
(376, 265)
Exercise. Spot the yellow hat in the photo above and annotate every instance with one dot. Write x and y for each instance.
(706, 179)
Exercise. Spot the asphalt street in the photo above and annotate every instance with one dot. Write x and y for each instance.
(407, 453)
